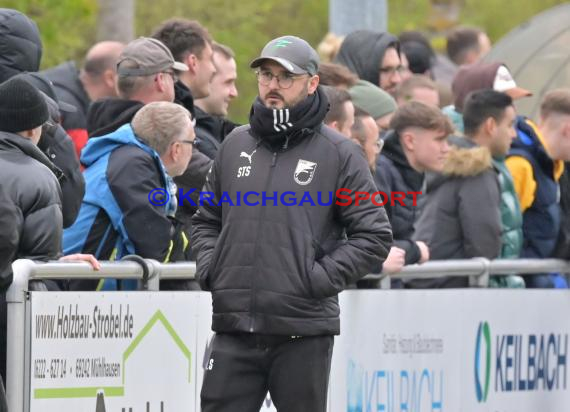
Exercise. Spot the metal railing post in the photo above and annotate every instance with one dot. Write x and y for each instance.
(481, 280)
(386, 282)
(154, 275)
(16, 298)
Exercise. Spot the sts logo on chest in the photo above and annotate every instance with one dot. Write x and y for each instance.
(245, 170)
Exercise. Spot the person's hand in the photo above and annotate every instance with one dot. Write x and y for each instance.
(395, 260)
(81, 257)
(424, 250)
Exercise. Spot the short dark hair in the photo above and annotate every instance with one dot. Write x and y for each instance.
(336, 98)
(417, 81)
(183, 37)
(482, 104)
(418, 51)
(331, 74)
(555, 102)
(421, 115)
(461, 41)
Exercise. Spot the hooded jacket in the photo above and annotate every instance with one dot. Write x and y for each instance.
(394, 174)
(362, 51)
(20, 44)
(278, 269)
(542, 214)
(461, 217)
(31, 204)
(107, 115)
(116, 214)
(21, 51)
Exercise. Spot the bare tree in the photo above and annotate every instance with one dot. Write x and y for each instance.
(116, 20)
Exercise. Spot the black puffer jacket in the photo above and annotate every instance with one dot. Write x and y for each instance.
(278, 269)
(21, 51)
(68, 87)
(461, 218)
(32, 195)
(58, 147)
(394, 174)
(20, 44)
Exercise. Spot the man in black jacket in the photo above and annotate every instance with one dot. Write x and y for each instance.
(31, 197)
(21, 52)
(417, 144)
(275, 271)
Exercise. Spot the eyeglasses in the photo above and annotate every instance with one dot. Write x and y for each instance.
(380, 143)
(392, 70)
(190, 142)
(174, 76)
(284, 81)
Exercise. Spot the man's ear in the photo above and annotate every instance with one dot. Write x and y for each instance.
(407, 140)
(109, 77)
(334, 125)
(490, 126)
(313, 83)
(192, 62)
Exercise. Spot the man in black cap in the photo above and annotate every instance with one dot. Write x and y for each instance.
(274, 264)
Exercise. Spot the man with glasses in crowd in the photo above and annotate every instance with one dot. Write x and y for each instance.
(375, 57)
(275, 271)
(131, 199)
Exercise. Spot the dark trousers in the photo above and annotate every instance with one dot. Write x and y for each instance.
(243, 367)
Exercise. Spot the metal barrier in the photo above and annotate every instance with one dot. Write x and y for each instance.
(19, 318)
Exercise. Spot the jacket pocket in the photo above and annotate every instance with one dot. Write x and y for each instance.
(319, 284)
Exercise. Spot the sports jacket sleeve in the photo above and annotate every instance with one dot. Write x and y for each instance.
(480, 216)
(206, 226)
(368, 231)
(132, 174)
(385, 183)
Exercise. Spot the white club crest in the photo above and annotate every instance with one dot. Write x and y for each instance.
(304, 172)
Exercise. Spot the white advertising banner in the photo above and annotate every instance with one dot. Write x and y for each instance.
(476, 350)
(397, 352)
(515, 351)
(130, 351)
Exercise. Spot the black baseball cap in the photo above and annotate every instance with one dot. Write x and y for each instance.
(293, 53)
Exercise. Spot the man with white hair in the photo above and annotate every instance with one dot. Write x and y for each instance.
(130, 201)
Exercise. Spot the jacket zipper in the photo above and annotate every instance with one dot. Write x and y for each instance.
(267, 185)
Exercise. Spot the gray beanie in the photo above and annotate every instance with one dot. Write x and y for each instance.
(372, 99)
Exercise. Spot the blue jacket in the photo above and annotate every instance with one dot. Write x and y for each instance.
(116, 216)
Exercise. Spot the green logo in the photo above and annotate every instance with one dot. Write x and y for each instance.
(282, 43)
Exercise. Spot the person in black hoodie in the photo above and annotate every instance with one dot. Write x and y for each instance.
(374, 56)
(417, 143)
(275, 271)
(21, 52)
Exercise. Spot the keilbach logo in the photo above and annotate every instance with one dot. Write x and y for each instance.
(482, 361)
